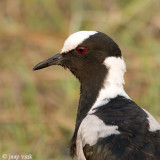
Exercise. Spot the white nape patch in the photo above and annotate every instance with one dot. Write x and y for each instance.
(75, 39)
(113, 83)
(91, 129)
(153, 124)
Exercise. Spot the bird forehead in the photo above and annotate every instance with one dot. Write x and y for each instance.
(75, 39)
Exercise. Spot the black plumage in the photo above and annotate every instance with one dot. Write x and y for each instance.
(135, 142)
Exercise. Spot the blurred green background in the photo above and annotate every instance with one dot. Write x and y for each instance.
(38, 109)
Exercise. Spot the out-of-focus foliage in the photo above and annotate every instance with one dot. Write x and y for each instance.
(38, 109)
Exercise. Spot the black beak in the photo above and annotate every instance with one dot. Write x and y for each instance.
(54, 60)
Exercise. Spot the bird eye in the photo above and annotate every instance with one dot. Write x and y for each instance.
(81, 50)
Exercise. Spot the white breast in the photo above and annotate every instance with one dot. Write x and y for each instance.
(91, 129)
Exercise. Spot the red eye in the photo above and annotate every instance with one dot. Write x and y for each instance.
(81, 50)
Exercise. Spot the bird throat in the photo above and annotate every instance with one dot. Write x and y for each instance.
(96, 90)
(89, 90)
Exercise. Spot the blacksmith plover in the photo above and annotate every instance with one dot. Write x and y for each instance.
(109, 125)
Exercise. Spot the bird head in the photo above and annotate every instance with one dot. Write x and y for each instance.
(84, 53)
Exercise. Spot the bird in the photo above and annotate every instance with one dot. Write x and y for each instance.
(109, 124)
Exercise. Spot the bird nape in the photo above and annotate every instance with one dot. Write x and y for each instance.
(109, 125)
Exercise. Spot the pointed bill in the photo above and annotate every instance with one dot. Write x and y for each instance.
(54, 60)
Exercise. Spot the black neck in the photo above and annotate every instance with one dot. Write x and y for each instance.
(89, 91)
